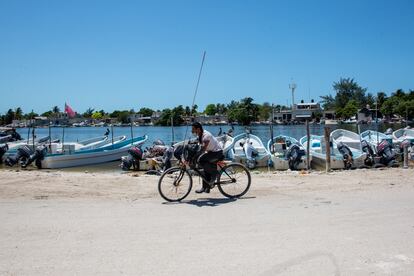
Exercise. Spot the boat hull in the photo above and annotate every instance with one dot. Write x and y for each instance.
(75, 160)
(281, 164)
(91, 157)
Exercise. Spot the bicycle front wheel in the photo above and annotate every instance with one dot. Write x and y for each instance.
(234, 180)
(175, 184)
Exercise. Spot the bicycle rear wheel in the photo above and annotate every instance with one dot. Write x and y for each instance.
(234, 180)
(175, 184)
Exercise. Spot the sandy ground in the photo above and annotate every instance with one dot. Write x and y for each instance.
(93, 223)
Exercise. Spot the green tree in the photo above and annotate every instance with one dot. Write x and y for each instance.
(264, 111)
(347, 89)
(146, 112)
(97, 115)
(221, 108)
(178, 113)
(9, 117)
(56, 110)
(243, 112)
(381, 98)
(194, 109)
(104, 114)
(405, 109)
(114, 114)
(165, 118)
(18, 114)
(328, 102)
(400, 103)
(123, 117)
(210, 109)
(370, 100)
(187, 111)
(88, 113)
(48, 114)
(30, 115)
(350, 109)
(388, 108)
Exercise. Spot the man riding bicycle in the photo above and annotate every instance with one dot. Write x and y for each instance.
(211, 153)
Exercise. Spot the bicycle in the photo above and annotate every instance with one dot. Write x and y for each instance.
(175, 184)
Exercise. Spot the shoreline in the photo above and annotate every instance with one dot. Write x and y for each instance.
(133, 185)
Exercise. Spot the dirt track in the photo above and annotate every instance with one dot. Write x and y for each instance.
(344, 223)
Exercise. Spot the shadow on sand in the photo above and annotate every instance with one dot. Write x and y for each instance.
(209, 202)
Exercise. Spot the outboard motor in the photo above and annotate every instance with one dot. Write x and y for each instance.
(370, 160)
(23, 153)
(3, 149)
(135, 155)
(37, 156)
(386, 153)
(294, 155)
(346, 154)
(250, 153)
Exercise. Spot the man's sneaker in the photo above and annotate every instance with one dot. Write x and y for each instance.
(203, 190)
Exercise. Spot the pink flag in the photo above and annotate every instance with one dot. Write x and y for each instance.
(69, 111)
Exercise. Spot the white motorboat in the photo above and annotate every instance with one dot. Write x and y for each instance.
(240, 153)
(107, 153)
(352, 141)
(281, 148)
(403, 134)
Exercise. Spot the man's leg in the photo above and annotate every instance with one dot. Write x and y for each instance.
(203, 162)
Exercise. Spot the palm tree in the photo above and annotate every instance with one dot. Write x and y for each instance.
(18, 113)
(56, 111)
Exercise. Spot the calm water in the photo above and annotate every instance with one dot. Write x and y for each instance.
(165, 133)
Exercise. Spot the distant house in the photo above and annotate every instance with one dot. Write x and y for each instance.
(306, 111)
(300, 112)
(212, 119)
(368, 115)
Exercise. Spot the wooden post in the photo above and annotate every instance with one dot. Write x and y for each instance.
(307, 146)
(132, 133)
(405, 157)
(328, 149)
(112, 134)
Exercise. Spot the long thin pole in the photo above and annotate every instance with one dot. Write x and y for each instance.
(28, 135)
(33, 137)
(359, 134)
(50, 138)
(33, 133)
(328, 149)
(195, 92)
(406, 116)
(307, 146)
(271, 132)
(112, 134)
(172, 130)
(63, 139)
(376, 118)
(132, 134)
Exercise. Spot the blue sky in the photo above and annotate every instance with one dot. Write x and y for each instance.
(129, 54)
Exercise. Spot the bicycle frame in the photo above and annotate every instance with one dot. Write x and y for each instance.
(200, 174)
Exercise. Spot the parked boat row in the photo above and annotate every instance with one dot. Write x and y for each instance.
(52, 155)
(347, 150)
